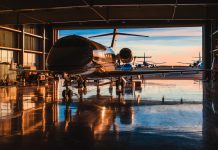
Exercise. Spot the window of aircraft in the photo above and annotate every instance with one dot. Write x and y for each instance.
(113, 57)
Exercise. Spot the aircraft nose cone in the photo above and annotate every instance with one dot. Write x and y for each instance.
(68, 54)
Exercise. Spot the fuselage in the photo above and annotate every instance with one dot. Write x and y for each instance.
(78, 55)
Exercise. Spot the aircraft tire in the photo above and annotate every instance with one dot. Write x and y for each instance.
(64, 94)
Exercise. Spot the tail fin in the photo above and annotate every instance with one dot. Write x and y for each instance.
(144, 56)
(199, 56)
(140, 57)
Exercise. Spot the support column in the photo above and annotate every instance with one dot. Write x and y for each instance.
(22, 46)
(55, 36)
(206, 53)
(43, 49)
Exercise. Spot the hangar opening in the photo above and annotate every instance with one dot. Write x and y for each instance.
(172, 46)
(125, 93)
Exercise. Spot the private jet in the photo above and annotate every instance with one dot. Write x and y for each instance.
(196, 63)
(146, 64)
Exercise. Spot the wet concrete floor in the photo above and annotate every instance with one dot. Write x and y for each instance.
(163, 114)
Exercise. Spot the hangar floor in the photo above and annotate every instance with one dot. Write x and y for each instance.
(175, 114)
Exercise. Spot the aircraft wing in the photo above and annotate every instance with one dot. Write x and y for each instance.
(158, 63)
(119, 73)
(153, 62)
(184, 63)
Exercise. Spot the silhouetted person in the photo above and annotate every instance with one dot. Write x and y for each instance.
(122, 83)
(80, 82)
(117, 84)
(84, 82)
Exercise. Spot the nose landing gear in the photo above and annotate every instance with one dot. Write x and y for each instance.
(67, 94)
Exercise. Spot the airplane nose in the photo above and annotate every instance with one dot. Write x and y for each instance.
(68, 54)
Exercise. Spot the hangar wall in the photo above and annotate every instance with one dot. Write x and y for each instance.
(26, 45)
(210, 45)
(214, 35)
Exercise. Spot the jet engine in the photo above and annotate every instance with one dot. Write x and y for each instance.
(125, 55)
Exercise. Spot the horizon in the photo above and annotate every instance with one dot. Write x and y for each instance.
(170, 45)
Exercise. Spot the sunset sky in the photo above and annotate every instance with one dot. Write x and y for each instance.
(170, 45)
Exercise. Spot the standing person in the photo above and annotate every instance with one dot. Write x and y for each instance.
(122, 83)
(84, 82)
(80, 82)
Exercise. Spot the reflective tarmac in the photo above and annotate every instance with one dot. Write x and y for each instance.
(163, 114)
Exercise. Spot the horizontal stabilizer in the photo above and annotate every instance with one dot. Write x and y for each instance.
(158, 63)
(126, 34)
(183, 63)
(142, 61)
(142, 57)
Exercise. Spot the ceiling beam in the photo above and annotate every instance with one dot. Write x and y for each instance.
(42, 9)
(94, 10)
(85, 11)
(94, 6)
(129, 24)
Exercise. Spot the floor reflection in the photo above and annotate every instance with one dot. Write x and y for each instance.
(111, 119)
(210, 115)
(23, 109)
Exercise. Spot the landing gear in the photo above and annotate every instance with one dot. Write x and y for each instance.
(67, 94)
(120, 83)
(98, 88)
(82, 86)
(120, 86)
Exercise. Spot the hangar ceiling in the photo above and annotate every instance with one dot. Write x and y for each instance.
(106, 12)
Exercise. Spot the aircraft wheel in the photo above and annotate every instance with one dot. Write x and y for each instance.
(64, 95)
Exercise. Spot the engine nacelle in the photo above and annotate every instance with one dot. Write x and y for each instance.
(125, 55)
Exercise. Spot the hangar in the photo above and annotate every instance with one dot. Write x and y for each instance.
(32, 115)
(29, 28)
